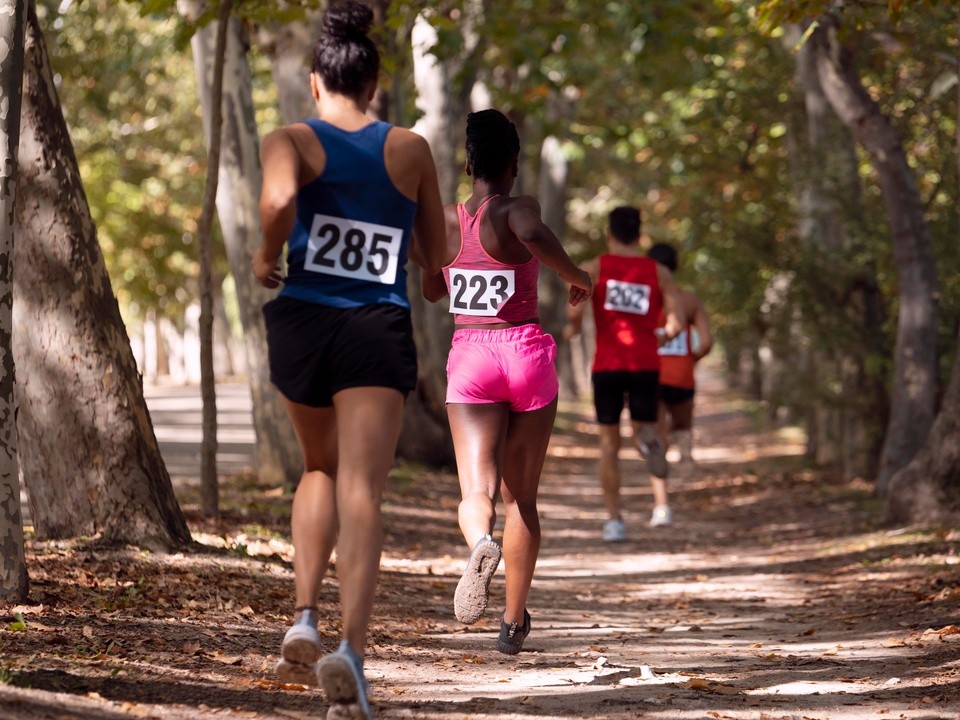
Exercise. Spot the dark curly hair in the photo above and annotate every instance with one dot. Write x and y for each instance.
(344, 56)
(665, 254)
(492, 144)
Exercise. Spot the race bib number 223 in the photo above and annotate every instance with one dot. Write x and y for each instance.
(353, 249)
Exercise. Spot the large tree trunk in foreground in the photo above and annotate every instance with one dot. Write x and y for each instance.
(913, 399)
(928, 489)
(278, 455)
(13, 568)
(88, 452)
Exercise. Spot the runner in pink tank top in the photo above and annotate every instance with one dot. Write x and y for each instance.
(501, 378)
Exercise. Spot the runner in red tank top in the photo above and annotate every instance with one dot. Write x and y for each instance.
(678, 358)
(501, 378)
(631, 290)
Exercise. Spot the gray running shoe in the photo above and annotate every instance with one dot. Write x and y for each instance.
(656, 456)
(614, 530)
(300, 650)
(662, 516)
(473, 590)
(341, 676)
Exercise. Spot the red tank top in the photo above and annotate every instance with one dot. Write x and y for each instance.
(676, 359)
(626, 308)
(483, 290)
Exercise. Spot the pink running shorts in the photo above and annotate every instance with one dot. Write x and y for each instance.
(510, 365)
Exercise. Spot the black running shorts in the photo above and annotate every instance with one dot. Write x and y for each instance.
(316, 351)
(674, 395)
(640, 390)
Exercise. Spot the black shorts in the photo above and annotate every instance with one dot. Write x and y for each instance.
(316, 351)
(639, 389)
(674, 395)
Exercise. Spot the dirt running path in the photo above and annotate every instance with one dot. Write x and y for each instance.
(773, 596)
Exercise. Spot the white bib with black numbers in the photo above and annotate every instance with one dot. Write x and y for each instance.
(353, 249)
(627, 297)
(480, 292)
(677, 347)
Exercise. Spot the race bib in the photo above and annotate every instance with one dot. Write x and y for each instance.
(677, 347)
(353, 249)
(480, 292)
(627, 297)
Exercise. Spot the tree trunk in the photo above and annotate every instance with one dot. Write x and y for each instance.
(426, 434)
(14, 583)
(240, 178)
(289, 46)
(88, 452)
(913, 398)
(554, 171)
(209, 489)
(928, 489)
(845, 415)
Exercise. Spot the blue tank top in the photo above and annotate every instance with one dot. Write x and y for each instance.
(350, 242)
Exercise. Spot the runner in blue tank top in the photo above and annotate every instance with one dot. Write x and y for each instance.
(352, 200)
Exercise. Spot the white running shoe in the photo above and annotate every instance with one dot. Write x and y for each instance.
(341, 676)
(300, 650)
(662, 516)
(614, 530)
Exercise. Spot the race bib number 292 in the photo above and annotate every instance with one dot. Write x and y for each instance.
(353, 249)
(627, 297)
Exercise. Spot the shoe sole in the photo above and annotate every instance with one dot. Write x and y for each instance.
(297, 673)
(342, 689)
(508, 649)
(473, 590)
(298, 657)
(657, 462)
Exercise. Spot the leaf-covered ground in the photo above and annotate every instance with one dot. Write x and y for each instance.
(774, 596)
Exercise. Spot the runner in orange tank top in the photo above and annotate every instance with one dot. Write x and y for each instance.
(630, 292)
(678, 357)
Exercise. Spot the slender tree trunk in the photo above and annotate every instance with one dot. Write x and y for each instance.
(209, 490)
(426, 434)
(913, 399)
(240, 178)
(88, 452)
(554, 171)
(289, 46)
(14, 583)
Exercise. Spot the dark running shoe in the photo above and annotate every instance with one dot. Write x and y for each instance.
(512, 636)
(655, 454)
(470, 598)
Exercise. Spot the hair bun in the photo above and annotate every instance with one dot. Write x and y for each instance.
(348, 18)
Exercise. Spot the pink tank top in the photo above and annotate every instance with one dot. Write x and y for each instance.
(484, 291)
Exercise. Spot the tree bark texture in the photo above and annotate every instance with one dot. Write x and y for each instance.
(209, 489)
(289, 47)
(426, 435)
(14, 582)
(88, 451)
(552, 192)
(240, 178)
(913, 396)
(928, 489)
(846, 414)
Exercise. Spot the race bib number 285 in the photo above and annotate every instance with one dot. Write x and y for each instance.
(627, 297)
(353, 249)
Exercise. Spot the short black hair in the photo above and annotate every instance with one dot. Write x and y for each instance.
(344, 56)
(665, 254)
(493, 144)
(625, 224)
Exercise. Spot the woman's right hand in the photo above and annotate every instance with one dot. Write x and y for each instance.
(267, 271)
(581, 287)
